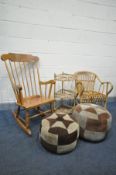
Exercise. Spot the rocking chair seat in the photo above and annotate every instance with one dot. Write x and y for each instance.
(34, 101)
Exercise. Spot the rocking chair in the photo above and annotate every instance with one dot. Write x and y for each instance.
(29, 91)
(90, 89)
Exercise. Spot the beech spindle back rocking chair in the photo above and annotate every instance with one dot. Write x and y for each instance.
(30, 94)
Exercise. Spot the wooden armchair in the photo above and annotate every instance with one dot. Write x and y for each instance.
(29, 91)
(89, 88)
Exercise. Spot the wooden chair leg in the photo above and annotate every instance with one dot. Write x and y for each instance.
(105, 104)
(55, 105)
(52, 106)
(18, 112)
(74, 102)
(27, 119)
(24, 124)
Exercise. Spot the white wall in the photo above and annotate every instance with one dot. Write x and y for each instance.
(67, 35)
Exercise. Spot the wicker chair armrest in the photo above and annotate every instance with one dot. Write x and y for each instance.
(105, 87)
(109, 87)
(79, 89)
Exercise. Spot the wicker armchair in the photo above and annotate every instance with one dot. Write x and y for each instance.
(90, 89)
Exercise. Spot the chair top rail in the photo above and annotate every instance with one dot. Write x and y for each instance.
(15, 57)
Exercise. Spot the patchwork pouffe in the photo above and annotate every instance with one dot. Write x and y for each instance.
(59, 134)
(94, 121)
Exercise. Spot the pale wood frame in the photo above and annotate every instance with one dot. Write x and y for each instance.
(24, 89)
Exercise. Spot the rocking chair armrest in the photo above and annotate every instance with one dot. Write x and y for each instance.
(18, 87)
(47, 91)
(47, 82)
(18, 93)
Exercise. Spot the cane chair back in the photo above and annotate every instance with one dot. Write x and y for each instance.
(88, 80)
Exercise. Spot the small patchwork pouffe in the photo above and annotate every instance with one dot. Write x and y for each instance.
(59, 134)
(94, 121)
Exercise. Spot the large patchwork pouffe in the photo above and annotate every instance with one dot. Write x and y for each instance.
(94, 121)
(59, 134)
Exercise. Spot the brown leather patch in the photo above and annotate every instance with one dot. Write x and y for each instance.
(67, 123)
(103, 116)
(96, 125)
(63, 137)
(51, 121)
(61, 119)
(52, 148)
(92, 110)
(58, 131)
(67, 139)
